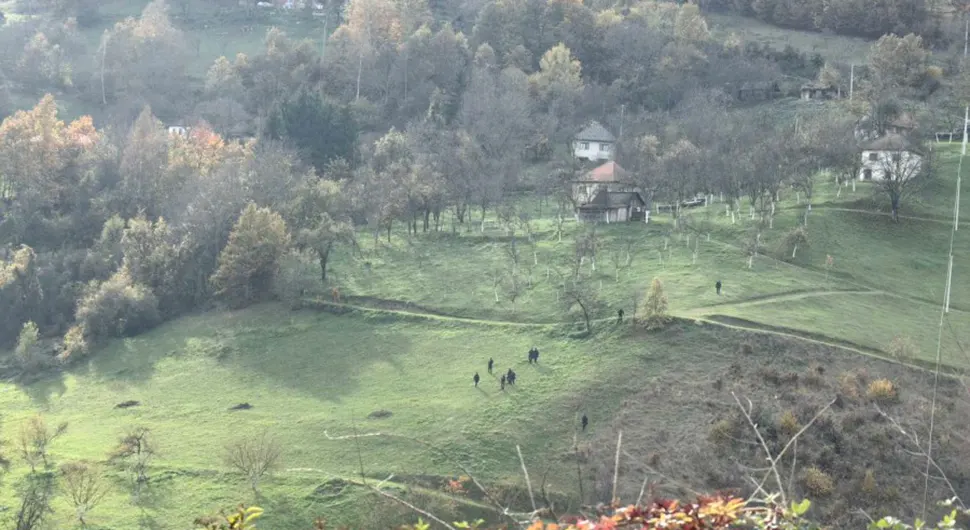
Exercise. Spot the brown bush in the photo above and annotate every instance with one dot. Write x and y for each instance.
(722, 432)
(882, 390)
(869, 483)
(788, 423)
(817, 482)
(849, 385)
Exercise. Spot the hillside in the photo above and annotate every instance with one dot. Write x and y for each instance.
(428, 320)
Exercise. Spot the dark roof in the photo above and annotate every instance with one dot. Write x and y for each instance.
(814, 85)
(608, 172)
(596, 133)
(904, 121)
(605, 200)
(889, 142)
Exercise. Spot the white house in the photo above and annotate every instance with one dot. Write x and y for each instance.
(594, 143)
(178, 130)
(885, 156)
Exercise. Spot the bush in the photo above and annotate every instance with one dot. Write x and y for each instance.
(788, 423)
(869, 486)
(817, 482)
(75, 344)
(722, 432)
(902, 348)
(849, 385)
(882, 390)
(654, 315)
(25, 352)
(117, 308)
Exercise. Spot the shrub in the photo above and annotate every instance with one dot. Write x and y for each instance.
(813, 377)
(25, 352)
(788, 423)
(75, 344)
(817, 482)
(722, 432)
(117, 307)
(902, 348)
(849, 385)
(869, 483)
(882, 390)
(654, 315)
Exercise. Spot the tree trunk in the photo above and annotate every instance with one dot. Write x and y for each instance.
(427, 220)
(793, 251)
(323, 255)
(589, 328)
(389, 232)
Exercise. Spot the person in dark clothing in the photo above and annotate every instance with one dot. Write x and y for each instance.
(585, 422)
(491, 363)
(718, 286)
(502, 382)
(535, 356)
(476, 379)
(512, 377)
(508, 376)
(619, 316)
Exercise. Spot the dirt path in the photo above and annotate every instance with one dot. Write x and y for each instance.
(779, 297)
(694, 315)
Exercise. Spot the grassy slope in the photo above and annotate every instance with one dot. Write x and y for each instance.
(901, 268)
(311, 374)
(837, 48)
(307, 374)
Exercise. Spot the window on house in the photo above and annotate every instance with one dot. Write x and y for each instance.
(867, 174)
(605, 148)
(584, 146)
(873, 157)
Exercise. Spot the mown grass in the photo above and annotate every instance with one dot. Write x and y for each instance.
(836, 48)
(309, 375)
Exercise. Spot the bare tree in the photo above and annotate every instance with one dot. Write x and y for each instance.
(904, 167)
(578, 292)
(85, 486)
(135, 451)
(36, 493)
(35, 438)
(254, 457)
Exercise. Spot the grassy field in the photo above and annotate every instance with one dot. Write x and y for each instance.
(887, 278)
(836, 48)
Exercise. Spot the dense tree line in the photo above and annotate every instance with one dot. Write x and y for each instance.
(862, 18)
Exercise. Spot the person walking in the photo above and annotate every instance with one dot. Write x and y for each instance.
(585, 422)
(476, 379)
(717, 286)
(619, 316)
(491, 363)
(502, 383)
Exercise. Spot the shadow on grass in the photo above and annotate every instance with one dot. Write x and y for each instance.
(40, 390)
(325, 353)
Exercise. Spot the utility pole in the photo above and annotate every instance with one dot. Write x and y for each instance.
(622, 108)
(966, 38)
(851, 80)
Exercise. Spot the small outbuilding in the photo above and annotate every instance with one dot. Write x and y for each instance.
(818, 92)
(614, 207)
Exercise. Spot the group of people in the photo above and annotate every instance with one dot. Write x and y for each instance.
(510, 376)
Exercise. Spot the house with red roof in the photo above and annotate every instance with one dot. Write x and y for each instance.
(606, 194)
